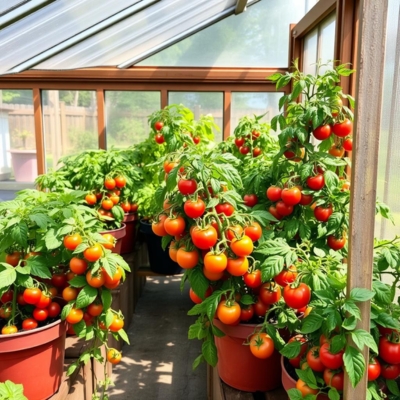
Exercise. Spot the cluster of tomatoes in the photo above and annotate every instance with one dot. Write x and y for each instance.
(248, 142)
(109, 196)
(286, 199)
(160, 139)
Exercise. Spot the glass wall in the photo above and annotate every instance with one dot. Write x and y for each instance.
(69, 123)
(253, 103)
(388, 182)
(202, 103)
(126, 116)
(319, 44)
(17, 137)
(258, 37)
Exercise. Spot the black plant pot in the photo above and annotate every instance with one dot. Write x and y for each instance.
(160, 261)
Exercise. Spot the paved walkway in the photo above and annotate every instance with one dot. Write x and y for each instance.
(157, 365)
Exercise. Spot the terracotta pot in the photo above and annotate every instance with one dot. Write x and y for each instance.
(35, 359)
(237, 366)
(128, 241)
(118, 234)
(289, 383)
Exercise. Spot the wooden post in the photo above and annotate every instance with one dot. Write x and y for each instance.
(227, 114)
(37, 109)
(101, 120)
(370, 68)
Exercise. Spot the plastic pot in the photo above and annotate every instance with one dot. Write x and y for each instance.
(128, 241)
(237, 366)
(160, 261)
(118, 234)
(34, 359)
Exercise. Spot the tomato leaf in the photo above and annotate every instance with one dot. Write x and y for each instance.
(213, 202)
(172, 179)
(212, 308)
(246, 300)
(354, 364)
(387, 321)
(271, 267)
(51, 239)
(351, 308)
(311, 323)
(295, 394)
(165, 241)
(333, 394)
(361, 294)
(308, 377)
(106, 298)
(217, 332)
(198, 282)
(304, 231)
(349, 323)
(66, 310)
(276, 337)
(122, 334)
(291, 350)
(393, 387)
(195, 330)
(73, 367)
(337, 343)
(263, 217)
(291, 228)
(362, 337)
(198, 360)
(80, 329)
(86, 296)
(209, 351)
(7, 277)
(78, 281)
(331, 179)
(325, 295)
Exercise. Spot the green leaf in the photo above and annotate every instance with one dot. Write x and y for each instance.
(387, 321)
(354, 364)
(86, 296)
(331, 179)
(72, 368)
(349, 323)
(11, 391)
(311, 323)
(263, 217)
(362, 337)
(325, 295)
(51, 239)
(295, 394)
(165, 241)
(106, 298)
(213, 202)
(247, 299)
(195, 330)
(333, 394)
(209, 351)
(271, 267)
(393, 387)
(308, 377)
(351, 308)
(337, 344)
(65, 311)
(217, 332)
(78, 281)
(38, 266)
(7, 277)
(383, 294)
(122, 334)
(305, 231)
(198, 360)
(291, 228)
(198, 282)
(291, 350)
(172, 179)
(361, 294)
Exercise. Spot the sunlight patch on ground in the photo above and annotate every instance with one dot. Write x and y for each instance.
(165, 367)
(170, 344)
(167, 379)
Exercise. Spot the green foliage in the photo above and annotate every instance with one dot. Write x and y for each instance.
(11, 391)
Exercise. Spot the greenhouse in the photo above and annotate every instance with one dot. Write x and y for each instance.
(198, 199)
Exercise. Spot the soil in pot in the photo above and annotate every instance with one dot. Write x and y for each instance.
(160, 261)
(34, 359)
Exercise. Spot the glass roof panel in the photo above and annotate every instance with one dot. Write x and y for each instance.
(50, 25)
(138, 35)
(258, 37)
(8, 5)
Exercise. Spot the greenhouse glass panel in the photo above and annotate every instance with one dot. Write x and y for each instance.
(126, 116)
(388, 181)
(258, 37)
(202, 103)
(17, 137)
(69, 123)
(254, 103)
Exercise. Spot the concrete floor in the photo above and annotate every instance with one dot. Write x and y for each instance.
(157, 365)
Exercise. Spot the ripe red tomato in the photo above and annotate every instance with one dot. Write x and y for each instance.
(390, 371)
(330, 360)
(253, 231)
(197, 299)
(322, 213)
(158, 125)
(187, 186)
(29, 323)
(71, 242)
(69, 293)
(270, 293)
(286, 276)
(374, 369)
(255, 134)
(44, 301)
(334, 379)
(252, 279)
(261, 345)
(257, 151)
(304, 388)
(283, 209)
(158, 226)
(116, 324)
(244, 149)
(242, 247)
(187, 259)
(316, 182)
(215, 262)
(159, 138)
(260, 308)
(250, 200)
(306, 199)
(336, 243)
(174, 226)
(348, 144)
(91, 199)
(274, 212)
(343, 129)
(194, 208)
(40, 314)
(97, 279)
(107, 204)
(291, 196)
(228, 313)
(225, 208)
(389, 351)
(59, 280)
(94, 309)
(7, 296)
(274, 193)
(13, 258)
(239, 141)
(32, 295)
(246, 313)
(204, 238)
(5, 311)
(314, 361)
(337, 151)
(126, 206)
(110, 241)
(322, 132)
(120, 181)
(109, 183)
(113, 356)
(237, 266)
(297, 297)
(114, 198)
(54, 309)
(93, 253)
(233, 231)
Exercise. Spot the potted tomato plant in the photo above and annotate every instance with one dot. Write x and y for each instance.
(57, 270)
